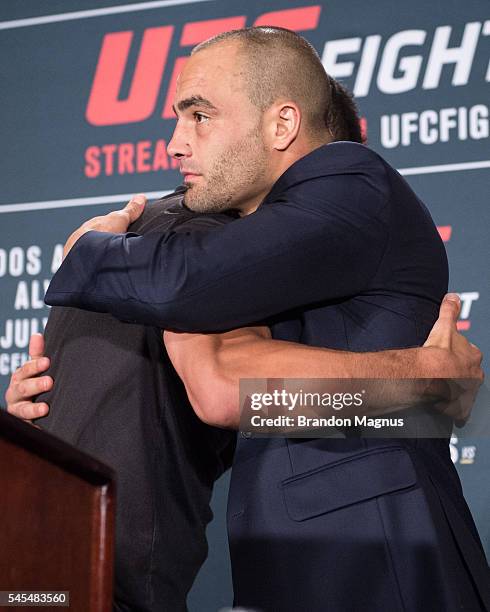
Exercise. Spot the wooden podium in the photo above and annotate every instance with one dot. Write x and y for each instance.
(57, 518)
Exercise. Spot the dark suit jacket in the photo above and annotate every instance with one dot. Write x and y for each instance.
(341, 254)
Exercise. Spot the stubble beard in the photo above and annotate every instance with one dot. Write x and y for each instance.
(241, 168)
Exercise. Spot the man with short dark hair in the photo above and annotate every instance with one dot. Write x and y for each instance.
(332, 249)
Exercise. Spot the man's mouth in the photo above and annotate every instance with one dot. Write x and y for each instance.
(190, 176)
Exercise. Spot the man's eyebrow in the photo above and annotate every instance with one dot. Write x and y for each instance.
(195, 101)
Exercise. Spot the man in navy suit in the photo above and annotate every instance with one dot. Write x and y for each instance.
(333, 249)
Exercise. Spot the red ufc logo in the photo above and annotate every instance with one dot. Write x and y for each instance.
(104, 106)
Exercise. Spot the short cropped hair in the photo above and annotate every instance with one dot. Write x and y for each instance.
(282, 64)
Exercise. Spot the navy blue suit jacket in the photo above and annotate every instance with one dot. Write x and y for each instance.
(340, 254)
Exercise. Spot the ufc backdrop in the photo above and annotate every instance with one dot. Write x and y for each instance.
(86, 95)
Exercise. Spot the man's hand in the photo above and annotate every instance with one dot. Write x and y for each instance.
(26, 383)
(459, 361)
(116, 222)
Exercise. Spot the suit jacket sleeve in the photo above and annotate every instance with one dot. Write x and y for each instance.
(321, 239)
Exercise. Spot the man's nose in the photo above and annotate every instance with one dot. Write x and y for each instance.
(178, 145)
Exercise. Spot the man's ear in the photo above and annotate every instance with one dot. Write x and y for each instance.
(283, 123)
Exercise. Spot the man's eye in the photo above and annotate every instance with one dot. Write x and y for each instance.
(200, 118)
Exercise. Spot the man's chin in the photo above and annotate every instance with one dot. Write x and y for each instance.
(190, 200)
(196, 200)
